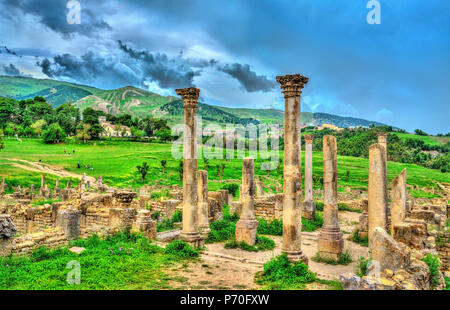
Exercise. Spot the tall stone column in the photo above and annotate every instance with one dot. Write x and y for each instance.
(398, 205)
(247, 225)
(292, 86)
(203, 205)
(309, 206)
(377, 189)
(190, 232)
(330, 243)
(382, 139)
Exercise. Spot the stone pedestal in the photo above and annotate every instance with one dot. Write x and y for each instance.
(247, 225)
(330, 243)
(190, 232)
(309, 210)
(69, 222)
(291, 87)
(145, 224)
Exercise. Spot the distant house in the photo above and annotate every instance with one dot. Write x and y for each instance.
(111, 130)
(329, 126)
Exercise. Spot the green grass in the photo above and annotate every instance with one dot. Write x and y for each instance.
(275, 227)
(41, 202)
(123, 261)
(433, 264)
(344, 259)
(362, 241)
(224, 229)
(168, 224)
(262, 244)
(431, 140)
(117, 161)
(345, 207)
(362, 265)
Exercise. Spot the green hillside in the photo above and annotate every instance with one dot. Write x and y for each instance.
(141, 103)
(431, 140)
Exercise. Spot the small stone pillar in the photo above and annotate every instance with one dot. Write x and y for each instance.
(330, 242)
(83, 183)
(309, 206)
(363, 225)
(259, 188)
(145, 224)
(43, 190)
(190, 232)
(2, 187)
(377, 188)
(247, 225)
(57, 189)
(203, 205)
(292, 86)
(398, 205)
(69, 222)
(88, 185)
(69, 185)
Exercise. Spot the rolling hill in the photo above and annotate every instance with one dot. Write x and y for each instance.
(141, 103)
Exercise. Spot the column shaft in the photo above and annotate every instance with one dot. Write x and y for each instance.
(203, 206)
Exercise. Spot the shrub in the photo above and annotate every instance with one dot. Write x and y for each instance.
(447, 283)
(221, 231)
(274, 228)
(177, 216)
(232, 188)
(433, 264)
(180, 248)
(53, 134)
(280, 273)
(361, 266)
(227, 216)
(319, 205)
(362, 241)
(312, 225)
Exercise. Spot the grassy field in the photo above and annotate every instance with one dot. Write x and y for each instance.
(431, 140)
(117, 160)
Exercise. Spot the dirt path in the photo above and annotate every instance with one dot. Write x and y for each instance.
(49, 169)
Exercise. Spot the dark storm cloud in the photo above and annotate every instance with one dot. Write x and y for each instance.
(53, 14)
(12, 70)
(6, 50)
(248, 79)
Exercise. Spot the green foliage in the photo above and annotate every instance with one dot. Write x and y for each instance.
(262, 244)
(43, 201)
(279, 273)
(344, 259)
(232, 188)
(274, 228)
(180, 248)
(345, 207)
(433, 264)
(313, 225)
(143, 170)
(122, 261)
(168, 224)
(420, 132)
(362, 241)
(361, 266)
(53, 134)
(177, 216)
(447, 283)
(319, 205)
(223, 230)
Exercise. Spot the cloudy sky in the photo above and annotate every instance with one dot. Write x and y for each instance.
(396, 72)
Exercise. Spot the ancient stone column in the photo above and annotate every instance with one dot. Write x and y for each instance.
(291, 86)
(190, 231)
(203, 205)
(330, 243)
(2, 187)
(69, 222)
(309, 206)
(83, 182)
(382, 139)
(377, 188)
(398, 205)
(259, 188)
(247, 224)
(42, 190)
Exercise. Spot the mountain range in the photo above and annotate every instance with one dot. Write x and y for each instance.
(141, 103)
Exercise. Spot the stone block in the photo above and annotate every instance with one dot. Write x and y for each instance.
(246, 231)
(387, 252)
(309, 210)
(69, 222)
(411, 234)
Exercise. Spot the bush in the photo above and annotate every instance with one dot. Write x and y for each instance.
(232, 188)
(433, 264)
(180, 248)
(447, 283)
(168, 224)
(310, 225)
(344, 259)
(280, 273)
(262, 244)
(274, 228)
(177, 217)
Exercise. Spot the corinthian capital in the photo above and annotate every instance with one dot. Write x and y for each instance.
(189, 96)
(292, 84)
(309, 138)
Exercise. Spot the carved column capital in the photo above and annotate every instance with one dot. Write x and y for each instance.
(189, 96)
(309, 139)
(292, 84)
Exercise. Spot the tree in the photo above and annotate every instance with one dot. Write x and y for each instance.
(420, 132)
(6, 111)
(164, 135)
(90, 116)
(136, 133)
(38, 126)
(53, 134)
(163, 165)
(84, 133)
(143, 170)
(2, 144)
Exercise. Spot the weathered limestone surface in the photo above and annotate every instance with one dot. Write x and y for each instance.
(309, 206)
(413, 234)
(247, 225)
(69, 222)
(2, 187)
(388, 253)
(377, 189)
(363, 225)
(398, 198)
(330, 242)
(7, 227)
(259, 188)
(190, 231)
(145, 224)
(292, 86)
(203, 205)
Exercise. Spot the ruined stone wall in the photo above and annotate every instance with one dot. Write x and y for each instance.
(30, 218)
(443, 248)
(50, 238)
(265, 207)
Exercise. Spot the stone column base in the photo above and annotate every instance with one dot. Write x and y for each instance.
(204, 230)
(246, 231)
(309, 210)
(296, 256)
(330, 243)
(194, 238)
